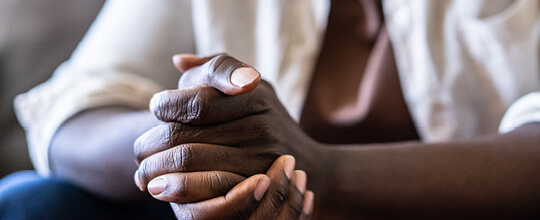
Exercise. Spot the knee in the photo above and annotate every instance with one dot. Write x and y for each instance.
(25, 195)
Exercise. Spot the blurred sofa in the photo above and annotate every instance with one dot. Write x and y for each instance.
(35, 37)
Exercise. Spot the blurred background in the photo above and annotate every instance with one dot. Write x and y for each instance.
(35, 37)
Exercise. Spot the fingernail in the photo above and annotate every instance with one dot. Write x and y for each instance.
(300, 179)
(261, 188)
(308, 203)
(288, 166)
(243, 76)
(137, 179)
(156, 186)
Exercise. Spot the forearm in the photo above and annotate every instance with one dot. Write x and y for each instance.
(94, 150)
(495, 175)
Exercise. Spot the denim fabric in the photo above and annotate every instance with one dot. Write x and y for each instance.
(25, 195)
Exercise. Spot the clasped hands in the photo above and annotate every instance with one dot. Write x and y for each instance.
(219, 152)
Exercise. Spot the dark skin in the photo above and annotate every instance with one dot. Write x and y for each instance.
(188, 192)
(94, 151)
(284, 196)
(492, 175)
(245, 200)
(236, 203)
(495, 175)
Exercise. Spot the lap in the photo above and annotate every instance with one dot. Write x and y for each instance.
(24, 195)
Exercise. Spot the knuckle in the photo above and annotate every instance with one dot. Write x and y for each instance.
(138, 149)
(260, 131)
(182, 187)
(172, 133)
(258, 101)
(215, 183)
(182, 157)
(266, 128)
(165, 105)
(197, 106)
(279, 195)
(192, 108)
(144, 171)
(219, 184)
(215, 62)
(158, 105)
(178, 133)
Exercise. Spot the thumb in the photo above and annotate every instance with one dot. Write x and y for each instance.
(222, 72)
(238, 203)
(184, 62)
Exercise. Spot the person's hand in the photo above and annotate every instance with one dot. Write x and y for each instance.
(280, 194)
(194, 141)
(216, 125)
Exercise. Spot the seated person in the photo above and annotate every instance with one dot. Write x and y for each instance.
(392, 109)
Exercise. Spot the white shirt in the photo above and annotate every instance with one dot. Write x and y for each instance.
(462, 63)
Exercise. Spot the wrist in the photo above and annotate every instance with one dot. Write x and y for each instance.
(315, 159)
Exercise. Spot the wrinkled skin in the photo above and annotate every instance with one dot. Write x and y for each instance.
(285, 198)
(216, 135)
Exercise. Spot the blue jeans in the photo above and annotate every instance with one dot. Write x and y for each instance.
(25, 195)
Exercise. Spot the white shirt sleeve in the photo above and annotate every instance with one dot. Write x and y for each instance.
(463, 63)
(524, 110)
(123, 60)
